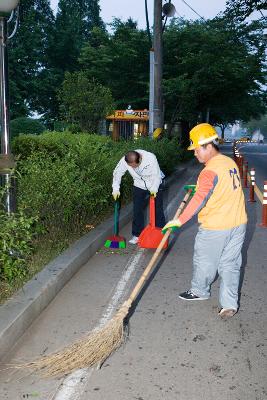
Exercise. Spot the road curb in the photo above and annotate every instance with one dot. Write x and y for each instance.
(18, 313)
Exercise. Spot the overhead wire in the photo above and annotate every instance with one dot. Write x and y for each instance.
(191, 8)
(262, 14)
(147, 25)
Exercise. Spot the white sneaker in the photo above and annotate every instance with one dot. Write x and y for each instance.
(134, 240)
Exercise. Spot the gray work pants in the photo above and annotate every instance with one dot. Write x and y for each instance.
(218, 251)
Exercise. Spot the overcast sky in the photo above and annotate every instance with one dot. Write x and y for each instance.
(135, 8)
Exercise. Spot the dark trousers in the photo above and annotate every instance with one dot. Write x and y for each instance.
(140, 201)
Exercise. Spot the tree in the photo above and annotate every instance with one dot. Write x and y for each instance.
(214, 66)
(28, 55)
(24, 125)
(84, 101)
(222, 126)
(258, 124)
(73, 25)
(44, 48)
(72, 29)
(243, 8)
(120, 61)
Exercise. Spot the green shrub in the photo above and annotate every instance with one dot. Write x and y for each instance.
(84, 101)
(65, 181)
(69, 184)
(16, 234)
(24, 125)
(58, 143)
(66, 178)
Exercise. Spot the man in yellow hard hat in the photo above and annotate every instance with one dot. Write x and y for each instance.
(219, 203)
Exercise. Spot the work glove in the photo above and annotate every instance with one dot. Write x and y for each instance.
(192, 187)
(153, 194)
(174, 224)
(116, 195)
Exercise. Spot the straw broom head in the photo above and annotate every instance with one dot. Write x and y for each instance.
(91, 350)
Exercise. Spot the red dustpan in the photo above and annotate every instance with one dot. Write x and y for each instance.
(151, 236)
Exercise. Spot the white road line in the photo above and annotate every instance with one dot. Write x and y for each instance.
(74, 385)
(129, 269)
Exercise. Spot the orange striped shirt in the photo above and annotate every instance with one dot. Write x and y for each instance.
(219, 199)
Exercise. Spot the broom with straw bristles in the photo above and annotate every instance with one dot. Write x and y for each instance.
(98, 345)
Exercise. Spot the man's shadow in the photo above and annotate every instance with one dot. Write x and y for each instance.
(158, 263)
(164, 254)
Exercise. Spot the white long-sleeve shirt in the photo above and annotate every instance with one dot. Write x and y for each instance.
(147, 175)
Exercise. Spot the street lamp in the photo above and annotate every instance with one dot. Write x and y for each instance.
(6, 158)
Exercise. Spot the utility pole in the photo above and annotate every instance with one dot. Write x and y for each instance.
(155, 82)
(157, 45)
(7, 163)
(151, 92)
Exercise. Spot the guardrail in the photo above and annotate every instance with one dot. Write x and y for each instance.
(264, 206)
(249, 177)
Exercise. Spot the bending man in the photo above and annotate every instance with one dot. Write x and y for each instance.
(147, 178)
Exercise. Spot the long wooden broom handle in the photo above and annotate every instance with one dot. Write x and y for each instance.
(116, 217)
(146, 272)
(152, 213)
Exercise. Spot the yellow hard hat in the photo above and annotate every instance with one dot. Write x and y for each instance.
(201, 134)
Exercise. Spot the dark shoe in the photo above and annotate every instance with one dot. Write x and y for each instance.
(227, 312)
(189, 295)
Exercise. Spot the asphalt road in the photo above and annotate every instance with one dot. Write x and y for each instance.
(175, 350)
(256, 155)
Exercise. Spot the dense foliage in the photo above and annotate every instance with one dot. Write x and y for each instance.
(43, 49)
(257, 124)
(85, 102)
(29, 56)
(16, 235)
(66, 178)
(243, 8)
(120, 61)
(24, 125)
(214, 67)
